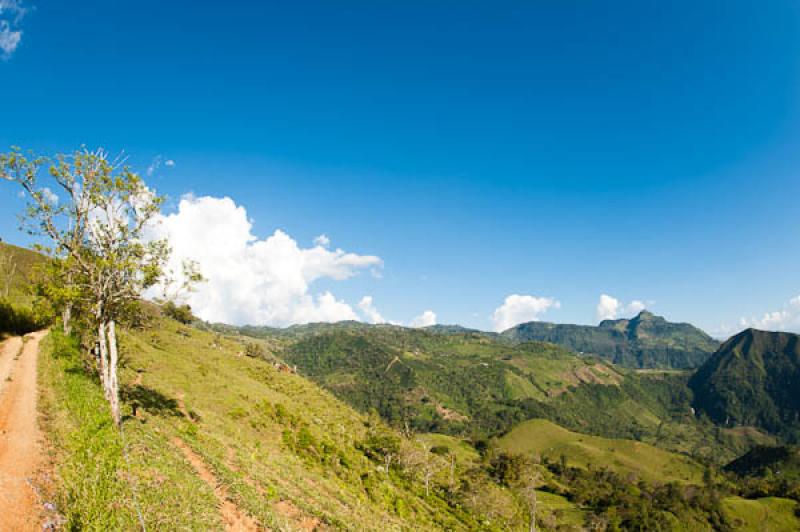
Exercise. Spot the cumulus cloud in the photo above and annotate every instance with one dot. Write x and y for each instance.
(785, 319)
(426, 319)
(251, 280)
(611, 308)
(607, 308)
(322, 240)
(11, 14)
(369, 311)
(518, 309)
(169, 163)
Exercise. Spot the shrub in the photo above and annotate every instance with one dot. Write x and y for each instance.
(181, 313)
(254, 350)
(19, 320)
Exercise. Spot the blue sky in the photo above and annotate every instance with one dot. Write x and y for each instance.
(564, 150)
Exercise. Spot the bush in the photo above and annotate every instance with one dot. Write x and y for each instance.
(19, 320)
(181, 313)
(255, 350)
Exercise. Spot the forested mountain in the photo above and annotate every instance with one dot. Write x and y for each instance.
(645, 341)
(452, 383)
(753, 379)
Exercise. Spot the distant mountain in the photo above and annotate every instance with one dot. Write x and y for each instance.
(456, 329)
(753, 379)
(646, 341)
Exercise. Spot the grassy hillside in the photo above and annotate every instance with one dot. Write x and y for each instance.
(18, 264)
(287, 453)
(768, 513)
(646, 341)
(623, 456)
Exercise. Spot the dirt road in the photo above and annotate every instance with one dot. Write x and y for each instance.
(20, 439)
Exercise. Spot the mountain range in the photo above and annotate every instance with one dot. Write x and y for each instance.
(645, 341)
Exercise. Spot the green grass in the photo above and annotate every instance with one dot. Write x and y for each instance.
(465, 454)
(555, 508)
(100, 486)
(271, 436)
(625, 456)
(770, 513)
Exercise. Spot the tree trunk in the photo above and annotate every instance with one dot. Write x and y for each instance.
(103, 348)
(66, 317)
(112, 374)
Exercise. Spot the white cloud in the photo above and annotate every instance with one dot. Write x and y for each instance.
(157, 162)
(786, 319)
(607, 307)
(322, 240)
(426, 319)
(9, 39)
(369, 311)
(11, 14)
(611, 308)
(50, 196)
(518, 309)
(250, 280)
(636, 306)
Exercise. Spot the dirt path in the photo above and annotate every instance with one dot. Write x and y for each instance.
(20, 453)
(235, 519)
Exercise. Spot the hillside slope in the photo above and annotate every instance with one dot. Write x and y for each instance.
(623, 456)
(646, 341)
(475, 384)
(16, 266)
(753, 379)
(288, 453)
(441, 382)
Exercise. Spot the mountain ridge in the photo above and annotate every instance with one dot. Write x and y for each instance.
(752, 380)
(644, 341)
